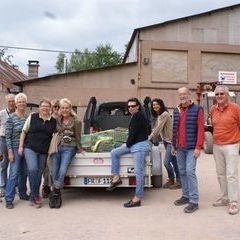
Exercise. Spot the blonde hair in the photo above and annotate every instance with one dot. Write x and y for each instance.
(20, 96)
(69, 103)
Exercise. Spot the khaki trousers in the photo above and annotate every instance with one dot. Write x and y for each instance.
(227, 158)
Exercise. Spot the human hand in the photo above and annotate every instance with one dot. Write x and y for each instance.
(10, 155)
(196, 153)
(173, 151)
(1, 157)
(20, 151)
(124, 145)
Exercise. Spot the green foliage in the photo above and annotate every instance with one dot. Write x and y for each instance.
(102, 56)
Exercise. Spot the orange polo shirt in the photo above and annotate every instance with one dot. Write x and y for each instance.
(226, 123)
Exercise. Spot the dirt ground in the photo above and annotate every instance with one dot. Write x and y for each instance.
(96, 214)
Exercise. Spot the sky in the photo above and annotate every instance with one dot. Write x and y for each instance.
(78, 24)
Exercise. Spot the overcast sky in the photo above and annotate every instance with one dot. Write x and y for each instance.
(70, 24)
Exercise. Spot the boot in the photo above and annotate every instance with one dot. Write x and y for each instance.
(176, 185)
(169, 183)
(55, 199)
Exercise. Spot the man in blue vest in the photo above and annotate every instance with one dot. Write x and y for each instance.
(187, 141)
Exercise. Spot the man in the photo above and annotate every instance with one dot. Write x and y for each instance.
(187, 141)
(225, 116)
(3, 148)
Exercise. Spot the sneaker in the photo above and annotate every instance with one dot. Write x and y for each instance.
(45, 191)
(169, 183)
(25, 197)
(181, 201)
(36, 202)
(220, 203)
(9, 205)
(233, 208)
(131, 204)
(176, 185)
(191, 207)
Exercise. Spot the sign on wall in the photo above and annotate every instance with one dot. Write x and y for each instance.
(226, 77)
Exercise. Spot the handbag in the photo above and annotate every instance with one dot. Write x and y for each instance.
(53, 147)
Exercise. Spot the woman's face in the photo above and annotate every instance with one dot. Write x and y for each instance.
(65, 110)
(156, 106)
(55, 109)
(44, 108)
(21, 104)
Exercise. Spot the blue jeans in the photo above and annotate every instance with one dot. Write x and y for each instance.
(170, 162)
(60, 162)
(187, 170)
(35, 165)
(17, 177)
(4, 163)
(139, 159)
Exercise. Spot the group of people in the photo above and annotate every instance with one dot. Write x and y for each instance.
(25, 142)
(24, 146)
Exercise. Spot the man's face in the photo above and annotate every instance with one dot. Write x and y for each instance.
(132, 107)
(184, 96)
(221, 96)
(11, 104)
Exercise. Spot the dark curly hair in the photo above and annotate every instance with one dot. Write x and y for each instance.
(162, 107)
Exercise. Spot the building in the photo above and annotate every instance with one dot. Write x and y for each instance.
(160, 58)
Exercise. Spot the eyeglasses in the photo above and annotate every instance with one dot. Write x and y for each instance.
(55, 106)
(132, 106)
(219, 94)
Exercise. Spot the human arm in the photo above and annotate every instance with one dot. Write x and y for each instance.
(78, 131)
(8, 135)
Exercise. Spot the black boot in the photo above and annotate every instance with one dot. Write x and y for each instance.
(55, 199)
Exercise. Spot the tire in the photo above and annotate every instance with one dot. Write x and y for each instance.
(208, 143)
(157, 181)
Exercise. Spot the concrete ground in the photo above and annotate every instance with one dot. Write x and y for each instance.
(97, 214)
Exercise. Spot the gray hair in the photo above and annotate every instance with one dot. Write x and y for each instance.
(9, 96)
(20, 96)
(225, 89)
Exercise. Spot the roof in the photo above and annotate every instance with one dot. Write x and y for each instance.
(9, 75)
(172, 21)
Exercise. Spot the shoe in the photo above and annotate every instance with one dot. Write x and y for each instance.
(169, 183)
(131, 204)
(9, 205)
(36, 202)
(113, 185)
(191, 207)
(233, 208)
(176, 185)
(55, 199)
(45, 191)
(181, 201)
(220, 203)
(25, 197)
(2, 193)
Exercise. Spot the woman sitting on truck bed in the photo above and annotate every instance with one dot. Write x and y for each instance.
(137, 144)
(69, 130)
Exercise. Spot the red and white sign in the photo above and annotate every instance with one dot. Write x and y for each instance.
(227, 77)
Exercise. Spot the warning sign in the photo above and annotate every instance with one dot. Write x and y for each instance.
(227, 77)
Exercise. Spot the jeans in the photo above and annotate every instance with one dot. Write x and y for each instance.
(17, 177)
(187, 170)
(139, 159)
(170, 162)
(4, 163)
(227, 159)
(60, 162)
(35, 165)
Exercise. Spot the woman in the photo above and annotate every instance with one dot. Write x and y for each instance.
(69, 129)
(163, 128)
(137, 143)
(34, 143)
(18, 170)
(46, 174)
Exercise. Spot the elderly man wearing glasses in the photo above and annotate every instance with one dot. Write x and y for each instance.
(137, 144)
(225, 116)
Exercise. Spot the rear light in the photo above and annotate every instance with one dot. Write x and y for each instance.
(132, 181)
(67, 181)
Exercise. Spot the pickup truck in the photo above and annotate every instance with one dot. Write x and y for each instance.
(93, 169)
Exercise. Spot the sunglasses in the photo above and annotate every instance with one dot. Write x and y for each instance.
(219, 94)
(56, 106)
(132, 106)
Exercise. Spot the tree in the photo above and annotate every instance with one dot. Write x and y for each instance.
(102, 56)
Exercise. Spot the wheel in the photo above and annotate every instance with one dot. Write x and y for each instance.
(208, 143)
(157, 181)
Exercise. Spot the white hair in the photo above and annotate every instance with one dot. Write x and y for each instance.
(225, 89)
(20, 96)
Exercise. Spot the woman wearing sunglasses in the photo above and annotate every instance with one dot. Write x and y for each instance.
(137, 144)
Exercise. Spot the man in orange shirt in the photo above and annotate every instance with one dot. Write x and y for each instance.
(225, 116)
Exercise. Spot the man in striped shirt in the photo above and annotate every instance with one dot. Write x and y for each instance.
(4, 114)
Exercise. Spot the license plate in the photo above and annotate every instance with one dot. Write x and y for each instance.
(97, 181)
